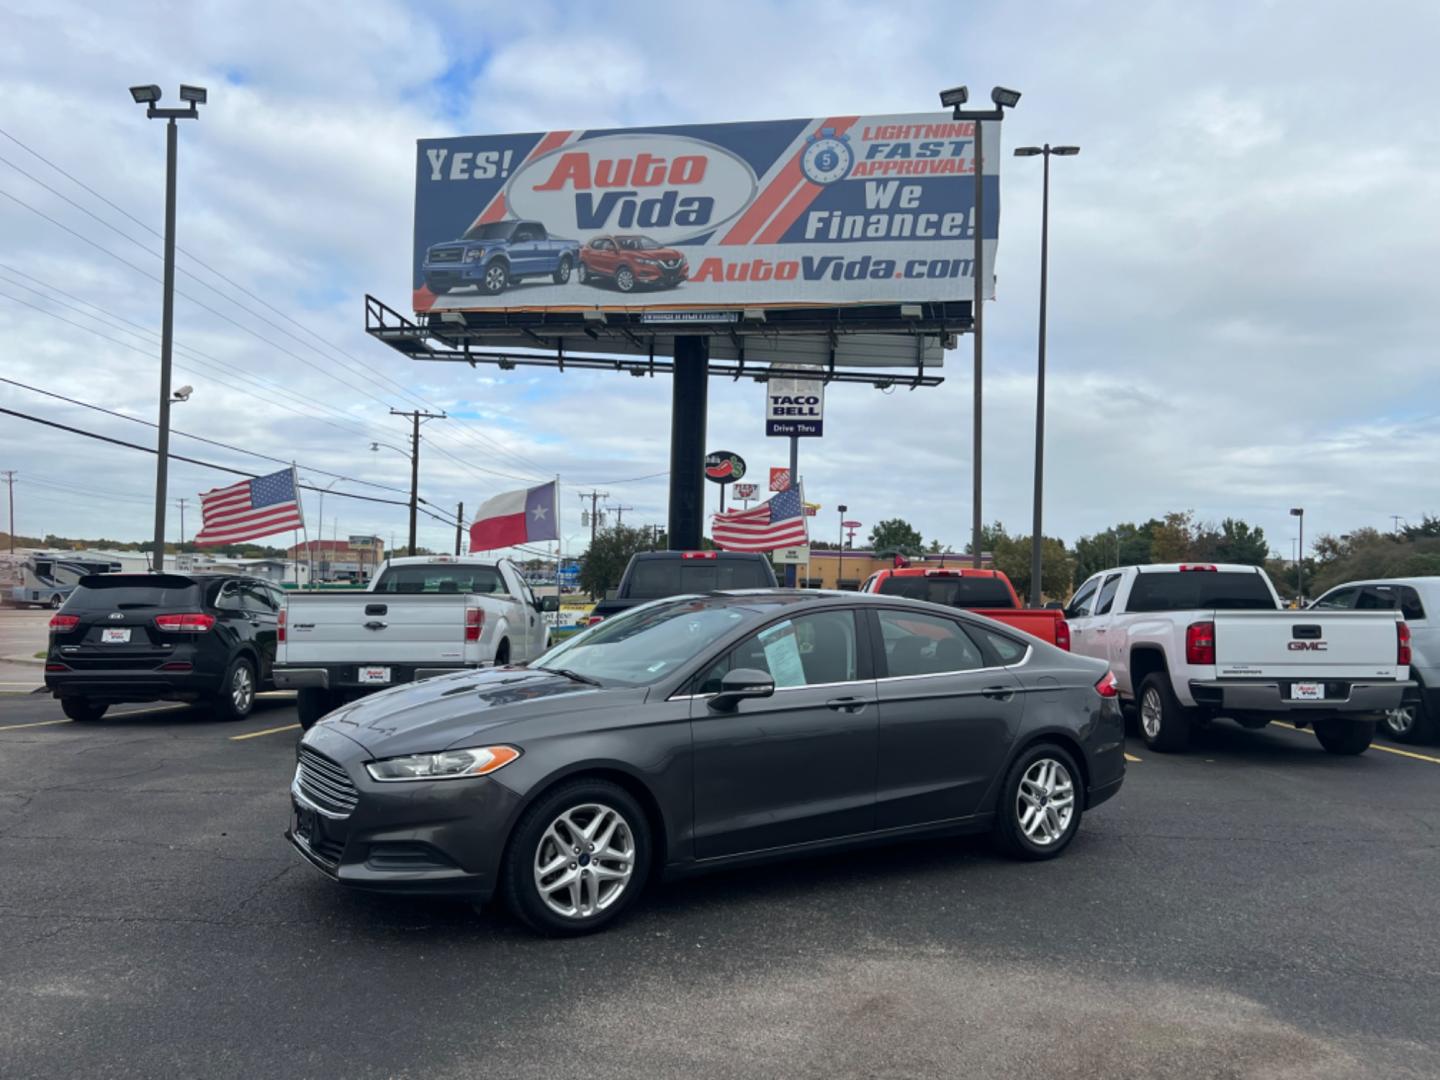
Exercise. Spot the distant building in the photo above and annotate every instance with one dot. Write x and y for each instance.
(827, 570)
(341, 560)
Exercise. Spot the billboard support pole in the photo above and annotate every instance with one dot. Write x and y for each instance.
(977, 316)
(687, 442)
(791, 571)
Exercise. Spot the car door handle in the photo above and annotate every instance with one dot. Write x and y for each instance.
(375, 624)
(998, 693)
(847, 704)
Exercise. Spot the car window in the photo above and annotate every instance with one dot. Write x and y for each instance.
(1107, 595)
(441, 578)
(807, 651)
(1411, 609)
(1079, 605)
(1339, 600)
(950, 588)
(652, 579)
(1007, 649)
(256, 598)
(1186, 590)
(920, 644)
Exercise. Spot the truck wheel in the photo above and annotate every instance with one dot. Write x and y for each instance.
(562, 272)
(82, 710)
(625, 279)
(1347, 737)
(311, 704)
(1164, 723)
(497, 276)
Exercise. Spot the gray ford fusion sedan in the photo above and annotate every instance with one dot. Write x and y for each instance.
(706, 731)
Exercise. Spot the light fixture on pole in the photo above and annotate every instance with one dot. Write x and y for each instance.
(1002, 99)
(1299, 512)
(1036, 533)
(194, 96)
(840, 559)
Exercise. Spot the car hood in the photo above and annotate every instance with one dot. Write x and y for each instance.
(662, 253)
(430, 715)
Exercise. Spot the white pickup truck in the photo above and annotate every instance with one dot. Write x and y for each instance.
(1191, 642)
(421, 616)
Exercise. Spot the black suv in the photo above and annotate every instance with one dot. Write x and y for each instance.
(163, 637)
(654, 575)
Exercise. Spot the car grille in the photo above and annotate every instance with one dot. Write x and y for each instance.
(445, 255)
(325, 849)
(325, 783)
(670, 264)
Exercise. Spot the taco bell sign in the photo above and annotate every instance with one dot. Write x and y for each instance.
(795, 407)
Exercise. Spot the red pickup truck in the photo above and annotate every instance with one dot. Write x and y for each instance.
(985, 592)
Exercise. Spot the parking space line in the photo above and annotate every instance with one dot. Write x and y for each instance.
(267, 731)
(34, 723)
(1132, 758)
(1376, 746)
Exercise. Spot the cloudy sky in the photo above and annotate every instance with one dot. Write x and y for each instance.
(1243, 310)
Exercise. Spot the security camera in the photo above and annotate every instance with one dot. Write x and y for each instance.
(183, 394)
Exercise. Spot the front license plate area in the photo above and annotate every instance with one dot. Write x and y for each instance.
(304, 823)
(373, 676)
(112, 635)
(1307, 691)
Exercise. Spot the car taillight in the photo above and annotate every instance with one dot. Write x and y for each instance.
(1200, 643)
(63, 624)
(186, 622)
(280, 626)
(1402, 651)
(1062, 634)
(474, 623)
(57, 667)
(1107, 686)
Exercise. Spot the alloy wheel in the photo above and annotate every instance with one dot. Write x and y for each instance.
(1151, 711)
(584, 860)
(1400, 721)
(625, 279)
(242, 689)
(564, 272)
(495, 278)
(1045, 802)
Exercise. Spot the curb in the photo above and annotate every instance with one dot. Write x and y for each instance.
(22, 660)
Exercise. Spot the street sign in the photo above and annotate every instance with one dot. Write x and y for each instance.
(795, 407)
(779, 479)
(850, 525)
(361, 541)
(745, 491)
(724, 467)
(795, 555)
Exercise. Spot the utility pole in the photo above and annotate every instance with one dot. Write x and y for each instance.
(459, 525)
(10, 481)
(619, 513)
(416, 416)
(595, 497)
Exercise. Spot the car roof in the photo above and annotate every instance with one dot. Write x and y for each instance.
(956, 571)
(698, 555)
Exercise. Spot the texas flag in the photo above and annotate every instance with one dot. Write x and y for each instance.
(517, 517)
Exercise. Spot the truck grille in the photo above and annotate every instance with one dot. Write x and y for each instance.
(445, 255)
(325, 783)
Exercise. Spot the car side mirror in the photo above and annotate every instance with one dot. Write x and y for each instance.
(550, 603)
(742, 683)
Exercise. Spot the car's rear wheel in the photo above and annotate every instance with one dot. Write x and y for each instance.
(1040, 804)
(562, 272)
(1346, 737)
(237, 691)
(82, 710)
(625, 279)
(497, 276)
(1409, 723)
(577, 859)
(1165, 724)
(311, 704)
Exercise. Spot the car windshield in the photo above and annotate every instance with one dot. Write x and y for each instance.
(647, 643)
(652, 579)
(491, 230)
(960, 592)
(638, 243)
(440, 578)
(129, 591)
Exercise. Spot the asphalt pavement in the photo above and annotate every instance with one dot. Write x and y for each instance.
(1256, 908)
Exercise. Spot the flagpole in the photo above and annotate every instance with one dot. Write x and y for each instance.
(305, 529)
(555, 508)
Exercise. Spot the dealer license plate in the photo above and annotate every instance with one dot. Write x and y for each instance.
(1307, 691)
(374, 676)
(114, 636)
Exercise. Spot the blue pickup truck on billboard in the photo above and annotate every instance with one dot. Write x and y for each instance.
(827, 211)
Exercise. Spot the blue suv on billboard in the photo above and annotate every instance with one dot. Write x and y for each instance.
(492, 255)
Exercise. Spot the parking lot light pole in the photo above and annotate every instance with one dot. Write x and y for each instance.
(1003, 99)
(148, 96)
(1035, 531)
(840, 558)
(1299, 512)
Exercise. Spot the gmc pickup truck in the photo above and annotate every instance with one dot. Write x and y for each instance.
(984, 592)
(491, 256)
(1191, 642)
(654, 575)
(422, 616)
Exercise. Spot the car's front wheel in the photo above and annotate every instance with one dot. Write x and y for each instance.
(237, 691)
(82, 710)
(1346, 737)
(577, 859)
(562, 272)
(625, 279)
(582, 275)
(497, 276)
(1040, 804)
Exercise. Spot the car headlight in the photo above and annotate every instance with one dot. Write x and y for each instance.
(474, 254)
(446, 765)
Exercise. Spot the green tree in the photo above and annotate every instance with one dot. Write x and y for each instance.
(1125, 544)
(896, 534)
(602, 566)
(1171, 539)
(1240, 542)
(1057, 567)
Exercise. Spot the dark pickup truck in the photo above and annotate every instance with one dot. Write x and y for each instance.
(654, 575)
(492, 255)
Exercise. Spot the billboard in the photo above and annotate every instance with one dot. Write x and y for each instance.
(827, 211)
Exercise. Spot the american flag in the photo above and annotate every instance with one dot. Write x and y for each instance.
(774, 524)
(250, 509)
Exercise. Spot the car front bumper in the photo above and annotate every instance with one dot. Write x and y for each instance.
(1272, 695)
(424, 837)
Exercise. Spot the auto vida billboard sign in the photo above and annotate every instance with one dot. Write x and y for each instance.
(825, 211)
